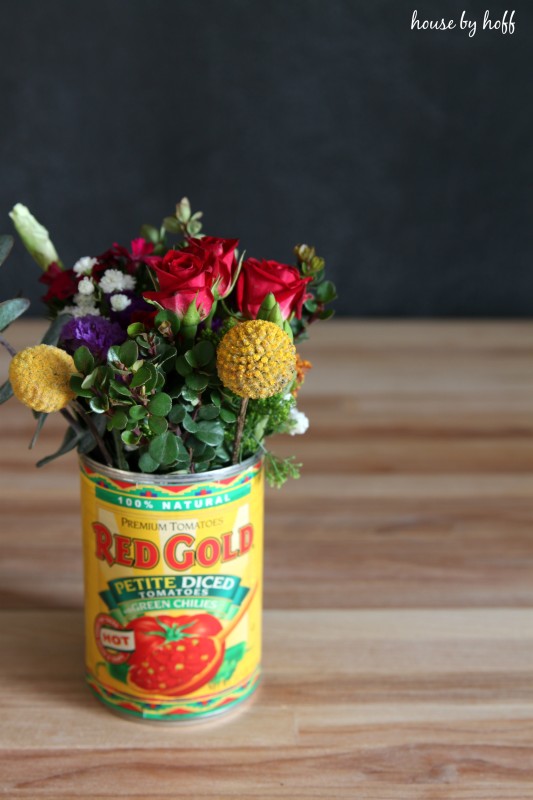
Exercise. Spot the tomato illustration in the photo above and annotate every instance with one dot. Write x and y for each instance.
(175, 655)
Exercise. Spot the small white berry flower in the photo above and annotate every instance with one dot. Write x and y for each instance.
(119, 302)
(113, 280)
(297, 422)
(85, 265)
(81, 311)
(86, 286)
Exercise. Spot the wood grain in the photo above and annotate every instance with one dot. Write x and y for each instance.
(399, 588)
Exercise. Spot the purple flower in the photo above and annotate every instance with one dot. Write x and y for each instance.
(96, 333)
(124, 318)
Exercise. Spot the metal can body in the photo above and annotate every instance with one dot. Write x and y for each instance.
(173, 589)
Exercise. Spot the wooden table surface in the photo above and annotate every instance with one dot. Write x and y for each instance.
(398, 642)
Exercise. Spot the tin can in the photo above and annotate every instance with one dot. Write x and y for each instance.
(173, 589)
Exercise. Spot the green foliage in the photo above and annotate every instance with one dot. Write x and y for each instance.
(279, 470)
(6, 245)
(323, 291)
(10, 310)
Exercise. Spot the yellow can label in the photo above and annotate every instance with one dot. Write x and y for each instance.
(173, 589)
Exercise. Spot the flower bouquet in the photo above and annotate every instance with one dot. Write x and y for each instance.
(172, 363)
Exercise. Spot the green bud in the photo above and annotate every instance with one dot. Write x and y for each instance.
(304, 253)
(268, 304)
(34, 237)
(276, 316)
(192, 315)
(183, 210)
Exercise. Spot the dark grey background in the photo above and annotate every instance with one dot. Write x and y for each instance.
(405, 157)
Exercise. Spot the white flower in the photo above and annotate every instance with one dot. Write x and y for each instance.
(86, 286)
(83, 306)
(119, 302)
(85, 265)
(81, 311)
(297, 422)
(84, 300)
(113, 280)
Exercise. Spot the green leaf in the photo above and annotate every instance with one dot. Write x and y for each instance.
(11, 309)
(204, 352)
(311, 306)
(130, 437)
(326, 292)
(53, 334)
(216, 399)
(6, 391)
(189, 424)
(84, 361)
(182, 366)
(229, 665)
(119, 672)
(137, 412)
(158, 424)
(120, 388)
(89, 379)
(135, 329)
(113, 355)
(164, 448)
(99, 404)
(190, 395)
(69, 443)
(210, 432)
(118, 421)
(327, 314)
(227, 415)
(168, 316)
(208, 412)
(198, 448)
(128, 353)
(6, 244)
(76, 384)
(41, 419)
(177, 414)
(156, 379)
(196, 381)
(171, 225)
(150, 233)
(142, 376)
(160, 404)
(147, 463)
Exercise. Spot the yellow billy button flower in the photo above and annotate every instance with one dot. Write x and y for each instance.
(40, 377)
(256, 359)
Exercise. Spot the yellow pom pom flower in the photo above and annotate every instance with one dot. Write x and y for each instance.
(40, 377)
(256, 359)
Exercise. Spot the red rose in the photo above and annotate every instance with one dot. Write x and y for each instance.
(182, 279)
(62, 283)
(218, 256)
(204, 271)
(259, 278)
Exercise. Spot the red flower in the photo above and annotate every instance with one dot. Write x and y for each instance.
(219, 257)
(203, 271)
(259, 278)
(62, 283)
(182, 278)
(140, 248)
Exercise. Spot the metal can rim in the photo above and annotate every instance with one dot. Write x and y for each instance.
(171, 478)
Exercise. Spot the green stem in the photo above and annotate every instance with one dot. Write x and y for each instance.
(10, 349)
(239, 431)
(97, 438)
(121, 458)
